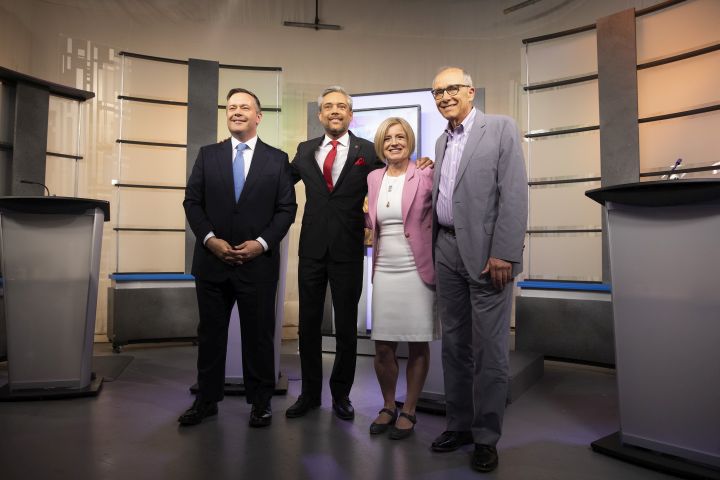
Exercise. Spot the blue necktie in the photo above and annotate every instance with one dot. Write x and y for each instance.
(239, 170)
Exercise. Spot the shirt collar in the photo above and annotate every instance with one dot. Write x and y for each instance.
(344, 140)
(464, 126)
(250, 143)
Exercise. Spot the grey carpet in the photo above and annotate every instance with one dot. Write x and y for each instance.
(110, 367)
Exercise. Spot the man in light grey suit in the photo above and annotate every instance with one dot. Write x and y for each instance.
(480, 200)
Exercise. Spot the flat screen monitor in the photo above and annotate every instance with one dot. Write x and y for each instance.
(366, 121)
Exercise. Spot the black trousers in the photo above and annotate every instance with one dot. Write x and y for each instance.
(256, 307)
(345, 287)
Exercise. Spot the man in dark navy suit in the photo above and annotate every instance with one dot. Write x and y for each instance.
(334, 169)
(240, 203)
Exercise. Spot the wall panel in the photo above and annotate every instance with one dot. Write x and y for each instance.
(671, 31)
(153, 79)
(575, 155)
(679, 86)
(151, 251)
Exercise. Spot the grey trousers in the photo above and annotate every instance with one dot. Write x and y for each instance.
(475, 319)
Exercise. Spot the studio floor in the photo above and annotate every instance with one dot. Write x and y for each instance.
(129, 431)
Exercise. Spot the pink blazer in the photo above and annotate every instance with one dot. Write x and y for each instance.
(416, 212)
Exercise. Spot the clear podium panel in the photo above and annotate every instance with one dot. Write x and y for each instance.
(233, 359)
(50, 270)
(664, 265)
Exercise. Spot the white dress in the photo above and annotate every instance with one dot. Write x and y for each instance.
(403, 306)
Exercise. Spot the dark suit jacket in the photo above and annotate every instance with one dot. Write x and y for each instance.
(334, 222)
(266, 209)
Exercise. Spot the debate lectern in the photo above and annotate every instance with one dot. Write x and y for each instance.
(664, 249)
(50, 266)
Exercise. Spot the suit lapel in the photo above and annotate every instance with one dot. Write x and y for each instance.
(409, 190)
(373, 196)
(353, 152)
(224, 159)
(309, 157)
(476, 134)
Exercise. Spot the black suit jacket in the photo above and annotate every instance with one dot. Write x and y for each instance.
(266, 209)
(333, 222)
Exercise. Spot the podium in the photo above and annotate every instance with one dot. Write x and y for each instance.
(664, 262)
(50, 265)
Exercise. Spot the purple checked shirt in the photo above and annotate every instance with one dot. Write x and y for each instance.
(456, 140)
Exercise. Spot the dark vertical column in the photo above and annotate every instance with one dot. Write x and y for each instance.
(618, 97)
(479, 100)
(314, 127)
(7, 116)
(29, 139)
(203, 78)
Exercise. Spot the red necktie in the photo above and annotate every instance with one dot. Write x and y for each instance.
(327, 166)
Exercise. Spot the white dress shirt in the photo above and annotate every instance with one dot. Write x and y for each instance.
(342, 153)
(456, 139)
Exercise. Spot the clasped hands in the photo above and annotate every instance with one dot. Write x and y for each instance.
(237, 255)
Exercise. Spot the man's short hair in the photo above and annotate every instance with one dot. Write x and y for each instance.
(466, 76)
(233, 91)
(334, 88)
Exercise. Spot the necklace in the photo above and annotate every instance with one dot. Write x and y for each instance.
(391, 182)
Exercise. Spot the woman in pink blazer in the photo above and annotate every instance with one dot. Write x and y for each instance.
(403, 302)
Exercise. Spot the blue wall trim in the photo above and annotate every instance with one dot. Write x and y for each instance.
(150, 277)
(578, 286)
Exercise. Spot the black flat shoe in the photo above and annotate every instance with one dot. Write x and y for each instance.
(400, 433)
(449, 440)
(197, 412)
(302, 406)
(484, 458)
(343, 408)
(260, 415)
(378, 428)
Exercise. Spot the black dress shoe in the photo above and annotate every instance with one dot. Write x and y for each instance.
(199, 410)
(484, 458)
(378, 428)
(343, 408)
(260, 415)
(400, 433)
(449, 440)
(302, 406)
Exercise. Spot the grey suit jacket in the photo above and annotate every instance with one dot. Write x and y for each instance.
(490, 204)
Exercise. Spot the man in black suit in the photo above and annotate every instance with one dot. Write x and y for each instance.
(334, 168)
(240, 203)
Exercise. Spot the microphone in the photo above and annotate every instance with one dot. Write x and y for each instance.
(677, 164)
(37, 183)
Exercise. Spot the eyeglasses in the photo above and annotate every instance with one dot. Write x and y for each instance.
(452, 90)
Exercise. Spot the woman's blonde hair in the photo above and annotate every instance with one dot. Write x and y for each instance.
(382, 132)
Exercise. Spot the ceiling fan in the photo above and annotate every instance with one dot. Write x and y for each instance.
(317, 25)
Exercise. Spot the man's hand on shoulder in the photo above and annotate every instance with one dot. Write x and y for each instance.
(423, 163)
